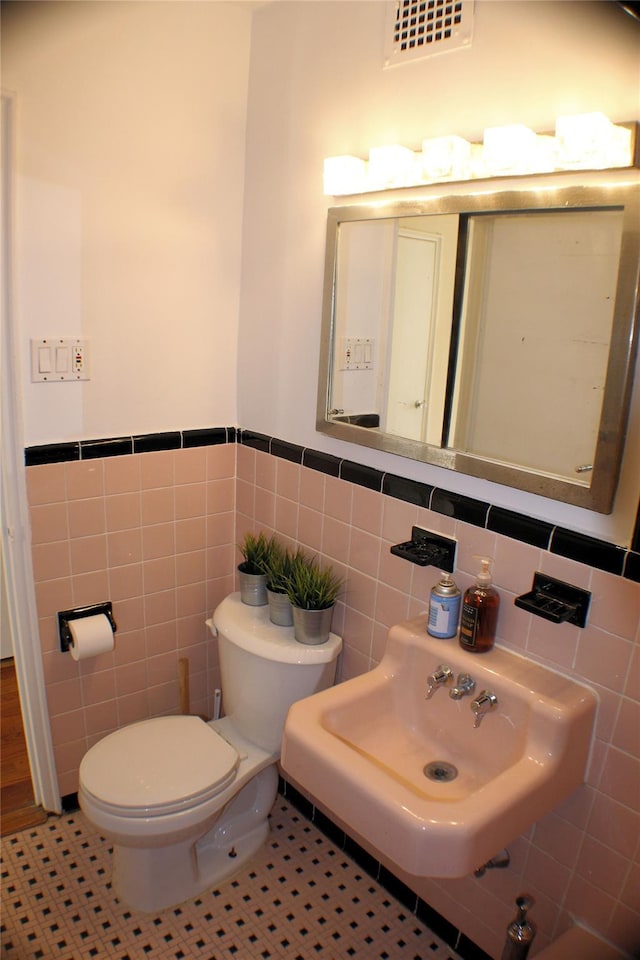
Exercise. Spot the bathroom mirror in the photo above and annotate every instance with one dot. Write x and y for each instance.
(490, 332)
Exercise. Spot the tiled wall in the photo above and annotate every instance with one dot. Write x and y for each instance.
(155, 533)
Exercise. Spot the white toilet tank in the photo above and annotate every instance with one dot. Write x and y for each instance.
(264, 670)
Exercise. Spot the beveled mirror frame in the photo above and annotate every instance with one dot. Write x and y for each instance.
(550, 192)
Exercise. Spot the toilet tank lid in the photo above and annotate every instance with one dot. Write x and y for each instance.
(251, 629)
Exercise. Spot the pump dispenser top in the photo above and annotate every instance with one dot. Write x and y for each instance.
(480, 611)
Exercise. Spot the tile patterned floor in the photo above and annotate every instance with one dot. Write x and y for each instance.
(300, 899)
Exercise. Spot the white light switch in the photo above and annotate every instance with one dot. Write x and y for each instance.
(59, 359)
(44, 360)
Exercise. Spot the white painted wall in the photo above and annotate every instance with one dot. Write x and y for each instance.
(317, 89)
(130, 136)
(130, 161)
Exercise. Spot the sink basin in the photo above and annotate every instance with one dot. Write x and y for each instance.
(361, 749)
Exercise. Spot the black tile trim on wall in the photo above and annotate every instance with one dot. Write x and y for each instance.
(565, 543)
(124, 446)
(442, 928)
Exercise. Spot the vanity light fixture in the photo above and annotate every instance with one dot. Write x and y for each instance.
(586, 141)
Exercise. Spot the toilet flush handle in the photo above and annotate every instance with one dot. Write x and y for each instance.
(212, 627)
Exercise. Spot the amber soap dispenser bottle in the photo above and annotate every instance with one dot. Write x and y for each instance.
(480, 612)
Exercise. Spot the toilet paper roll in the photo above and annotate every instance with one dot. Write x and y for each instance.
(91, 636)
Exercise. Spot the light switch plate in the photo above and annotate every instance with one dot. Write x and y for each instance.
(59, 359)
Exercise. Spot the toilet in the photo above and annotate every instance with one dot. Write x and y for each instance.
(185, 802)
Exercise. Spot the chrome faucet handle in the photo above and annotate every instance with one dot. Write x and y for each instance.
(483, 704)
(441, 676)
(465, 685)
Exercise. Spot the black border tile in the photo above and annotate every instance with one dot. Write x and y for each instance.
(468, 950)
(361, 475)
(404, 894)
(362, 857)
(520, 527)
(111, 447)
(437, 923)
(595, 553)
(232, 434)
(411, 491)
(154, 442)
(210, 437)
(51, 453)
(298, 800)
(70, 803)
(632, 566)
(459, 507)
(322, 462)
(329, 828)
(259, 441)
(287, 451)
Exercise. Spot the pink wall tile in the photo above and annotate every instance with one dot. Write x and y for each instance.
(158, 505)
(191, 499)
(312, 486)
(51, 560)
(131, 678)
(88, 553)
(310, 527)
(287, 517)
(191, 534)
(92, 587)
(220, 496)
(288, 479)
(46, 483)
(86, 517)
(338, 497)
(614, 825)
(190, 465)
(132, 708)
(190, 567)
(627, 732)
(84, 479)
(221, 461)
(125, 581)
(124, 547)
(156, 469)
(364, 552)
(265, 468)
(367, 510)
(121, 475)
(603, 658)
(122, 511)
(158, 540)
(49, 522)
(615, 604)
(159, 574)
(398, 518)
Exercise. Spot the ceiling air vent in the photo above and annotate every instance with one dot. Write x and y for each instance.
(423, 28)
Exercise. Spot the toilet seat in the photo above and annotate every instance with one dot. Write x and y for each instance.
(158, 766)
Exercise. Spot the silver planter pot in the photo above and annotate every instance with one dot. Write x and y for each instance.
(253, 588)
(312, 626)
(280, 611)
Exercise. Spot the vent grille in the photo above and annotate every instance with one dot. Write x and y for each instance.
(423, 28)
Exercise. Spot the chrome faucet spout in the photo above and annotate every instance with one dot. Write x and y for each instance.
(440, 677)
(465, 685)
(483, 704)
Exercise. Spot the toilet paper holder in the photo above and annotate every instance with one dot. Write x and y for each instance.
(92, 610)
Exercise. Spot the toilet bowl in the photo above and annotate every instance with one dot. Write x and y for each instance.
(184, 802)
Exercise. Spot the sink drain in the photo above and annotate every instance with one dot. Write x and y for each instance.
(440, 771)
